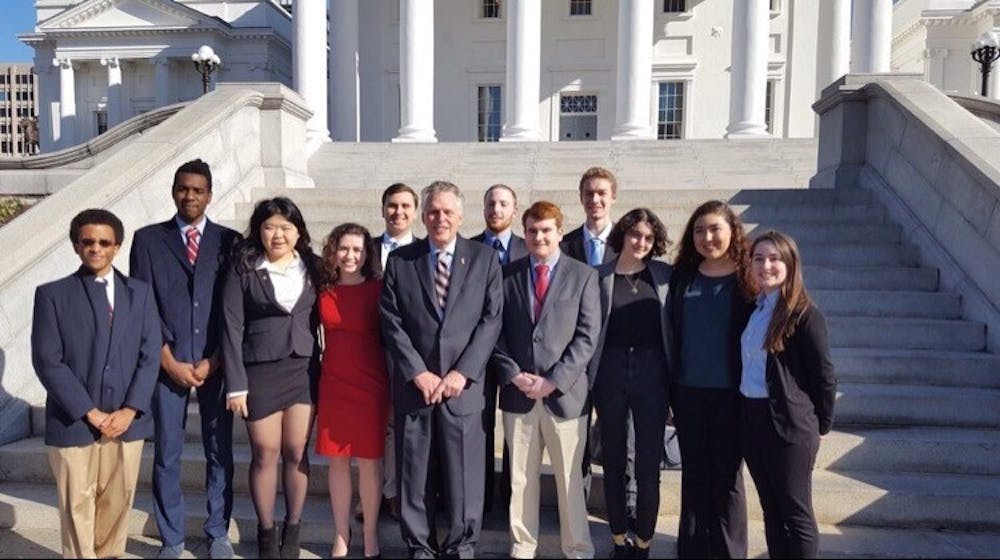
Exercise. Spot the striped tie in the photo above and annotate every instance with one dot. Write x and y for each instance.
(441, 281)
(192, 245)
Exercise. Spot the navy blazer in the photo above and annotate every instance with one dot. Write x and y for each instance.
(417, 340)
(558, 345)
(517, 249)
(573, 245)
(377, 252)
(188, 297)
(258, 329)
(85, 361)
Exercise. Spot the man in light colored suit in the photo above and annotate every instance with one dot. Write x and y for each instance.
(551, 323)
(440, 311)
(95, 346)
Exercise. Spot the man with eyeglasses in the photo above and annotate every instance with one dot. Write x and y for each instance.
(95, 347)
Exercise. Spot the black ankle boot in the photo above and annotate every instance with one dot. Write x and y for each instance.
(290, 540)
(267, 542)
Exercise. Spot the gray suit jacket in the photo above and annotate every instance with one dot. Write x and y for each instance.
(417, 340)
(560, 343)
(660, 272)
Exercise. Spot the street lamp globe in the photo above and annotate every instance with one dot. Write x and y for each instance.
(205, 61)
(986, 50)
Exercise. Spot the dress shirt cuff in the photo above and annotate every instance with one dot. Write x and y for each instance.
(235, 394)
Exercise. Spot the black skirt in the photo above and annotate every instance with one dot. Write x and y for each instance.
(277, 385)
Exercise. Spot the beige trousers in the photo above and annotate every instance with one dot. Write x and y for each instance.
(527, 436)
(96, 486)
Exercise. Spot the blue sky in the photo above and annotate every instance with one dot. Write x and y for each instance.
(18, 16)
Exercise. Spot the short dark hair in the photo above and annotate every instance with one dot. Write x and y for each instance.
(195, 167)
(98, 217)
(661, 241)
(248, 251)
(397, 188)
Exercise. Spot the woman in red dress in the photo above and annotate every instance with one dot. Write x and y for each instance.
(353, 402)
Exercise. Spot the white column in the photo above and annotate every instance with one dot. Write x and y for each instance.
(66, 136)
(114, 106)
(871, 37)
(161, 80)
(416, 71)
(748, 74)
(309, 61)
(524, 48)
(635, 72)
(345, 81)
(839, 13)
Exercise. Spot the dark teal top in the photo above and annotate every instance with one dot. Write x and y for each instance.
(707, 322)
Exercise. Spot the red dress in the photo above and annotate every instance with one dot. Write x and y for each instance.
(353, 404)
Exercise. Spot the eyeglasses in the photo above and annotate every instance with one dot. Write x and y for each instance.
(104, 243)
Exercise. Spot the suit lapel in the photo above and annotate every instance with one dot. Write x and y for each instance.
(460, 262)
(522, 279)
(264, 279)
(208, 248)
(607, 292)
(662, 284)
(123, 305)
(426, 276)
(557, 279)
(172, 239)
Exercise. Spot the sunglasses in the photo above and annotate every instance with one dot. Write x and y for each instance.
(103, 243)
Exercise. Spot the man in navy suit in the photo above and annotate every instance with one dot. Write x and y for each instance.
(95, 346)
(184, 259)
(440, 311)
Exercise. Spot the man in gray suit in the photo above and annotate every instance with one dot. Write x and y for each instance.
(551, 323)
(440, 307)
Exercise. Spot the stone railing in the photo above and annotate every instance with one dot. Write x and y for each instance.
(935, 166)
(982, 107)
(253, 135)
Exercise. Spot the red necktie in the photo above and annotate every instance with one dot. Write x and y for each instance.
(541, 287)
(192, 244)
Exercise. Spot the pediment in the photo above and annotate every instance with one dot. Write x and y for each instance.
(125, 14)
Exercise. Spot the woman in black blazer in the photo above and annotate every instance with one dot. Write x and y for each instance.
(271, 359)
(631, 373)
(788, 389)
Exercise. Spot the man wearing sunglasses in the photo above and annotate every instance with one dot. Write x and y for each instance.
(95, 346)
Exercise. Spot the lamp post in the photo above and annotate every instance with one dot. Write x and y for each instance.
(986, 50)
(205, 62)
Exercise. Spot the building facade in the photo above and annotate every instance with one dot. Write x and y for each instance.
(18, 105)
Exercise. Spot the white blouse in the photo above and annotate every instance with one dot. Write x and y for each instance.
(288, 283)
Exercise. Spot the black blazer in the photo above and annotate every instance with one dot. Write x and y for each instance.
(258, 329)
(741, 308)
(516, 250)
(573, 245)
(416, 339)
(377, 252)
(801, 383)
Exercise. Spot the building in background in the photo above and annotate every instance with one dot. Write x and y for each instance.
(18, 105)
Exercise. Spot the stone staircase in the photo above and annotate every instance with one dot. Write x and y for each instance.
(912, 467)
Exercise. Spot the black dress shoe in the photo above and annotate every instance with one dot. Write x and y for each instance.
(623, 550)
(290, 546)
(267, 542)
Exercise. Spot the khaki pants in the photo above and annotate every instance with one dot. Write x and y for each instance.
(527, 436)
(96, 486)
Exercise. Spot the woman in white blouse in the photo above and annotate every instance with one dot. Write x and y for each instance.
(271, 361)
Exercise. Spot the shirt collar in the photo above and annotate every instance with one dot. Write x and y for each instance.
(504, 237)
(267, 265)
(603, 235)
(551, 261)
(767, 301)
(200, 226)
(448, 250)
(107, 278)
(406, 239)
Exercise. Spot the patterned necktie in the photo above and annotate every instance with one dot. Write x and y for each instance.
(107, 294)
(498, 247)
(441, 277)
(192, 244)
(541, 287)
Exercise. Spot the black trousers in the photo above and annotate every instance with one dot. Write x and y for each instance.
(497, 487)
(457, 442)
(713, 520)
(632, 380)
(782, 472)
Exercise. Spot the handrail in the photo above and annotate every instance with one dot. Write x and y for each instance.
(982, 107)
(74, 154)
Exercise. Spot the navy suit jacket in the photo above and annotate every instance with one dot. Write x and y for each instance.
(516, 250)
(188, 297)
(417, 339)
(573, 245)
(85, 361)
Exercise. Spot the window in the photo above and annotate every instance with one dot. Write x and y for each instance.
(670, 6)
(578, 104)
(670, 114)
(4, 112)
(578, 117)
(24, 112)
(488, 123)
(774, 5)
(581, 7)
(3, 96)
(491, 9)
(4, 129)
(4, 147)
(769, 106)
(3, 78)
(101, 119)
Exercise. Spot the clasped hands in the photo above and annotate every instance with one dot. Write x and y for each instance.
(188, 375)
(111, 425)
(436, 388)
(533, 386)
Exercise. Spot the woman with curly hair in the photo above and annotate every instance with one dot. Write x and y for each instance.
(353, 387)
(270, 352)
(631, 371)
(788, 389)
(712, 293)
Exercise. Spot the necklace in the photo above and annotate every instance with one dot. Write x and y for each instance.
(634, 284)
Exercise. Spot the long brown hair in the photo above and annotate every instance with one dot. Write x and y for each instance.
(793, 300)
(688, 257)
(328, 262)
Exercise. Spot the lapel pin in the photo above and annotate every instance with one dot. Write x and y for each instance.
(461, 260)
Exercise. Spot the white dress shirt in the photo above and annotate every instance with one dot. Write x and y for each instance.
(390, 243)
(109, 285)
(602, 240)
(184, 227)
(753, 381)
(288, 283)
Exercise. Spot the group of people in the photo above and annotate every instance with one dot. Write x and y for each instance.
(400, 349)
